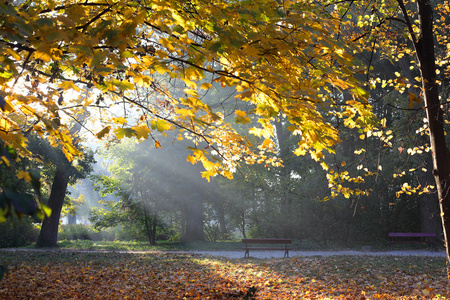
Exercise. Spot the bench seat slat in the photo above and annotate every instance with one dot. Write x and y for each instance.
(418, 242)
(412, 234)
(267, 241)
(265, 248)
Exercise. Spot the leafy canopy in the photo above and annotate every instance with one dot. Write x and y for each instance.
(157, 60)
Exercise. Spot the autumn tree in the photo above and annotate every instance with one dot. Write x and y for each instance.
(280, 57)
(409, 29)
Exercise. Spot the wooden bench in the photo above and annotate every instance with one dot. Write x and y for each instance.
(413, 237)
(266, 241)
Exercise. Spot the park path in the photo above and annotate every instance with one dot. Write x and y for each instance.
(261, 254)
(279, 254)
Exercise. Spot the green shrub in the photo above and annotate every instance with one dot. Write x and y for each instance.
(86, 232)
(17, 232)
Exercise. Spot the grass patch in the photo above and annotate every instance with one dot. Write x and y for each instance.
(113, 275)
(145, 246)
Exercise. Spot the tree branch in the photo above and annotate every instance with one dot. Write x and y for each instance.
(407, 21)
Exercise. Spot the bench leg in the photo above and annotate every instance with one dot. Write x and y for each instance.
(286, 253)
(247, 254)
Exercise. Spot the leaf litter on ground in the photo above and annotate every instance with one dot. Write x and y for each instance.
(161, 275)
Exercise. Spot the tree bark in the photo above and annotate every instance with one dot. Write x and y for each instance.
(48, 235)
(155, 220)
(286, 210)
(429, 208)
(149, 225)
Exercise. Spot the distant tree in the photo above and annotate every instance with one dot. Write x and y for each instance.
(60, 173)
(150, 184)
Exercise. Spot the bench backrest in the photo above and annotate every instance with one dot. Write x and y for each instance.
(412, 234)
(267, 241)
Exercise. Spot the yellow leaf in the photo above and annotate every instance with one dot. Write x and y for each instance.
(13, 53)
(413, 98)
(120, 120)
(227, 174)
(3, 213)
(208, 174)
(317, 155)
(123, 85)
(299, 151)
(191, 92)
(24, 175)
(184, 112)
(266, 143)
(206, 86)
(208, 165)
(240, 113)
(160, 68)
(142, 80)
(103, 132)
(160, 125)
(161, 54)
(166, 44)
(47, 210)
(241, 117)
(124, 132)
(142, 132)
(5, 160)
(157, 144)
(192, 73)
(67, 85)
(250, 51)
(191, 159)
(43, 53)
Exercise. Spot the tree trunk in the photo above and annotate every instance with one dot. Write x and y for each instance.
(48, 235)
(221, 219)
(287, 222)
(244, 234)
(155, 220)
(194, 219)
(425, 52)
(148, 225)
(72, 219)
(429, 208)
